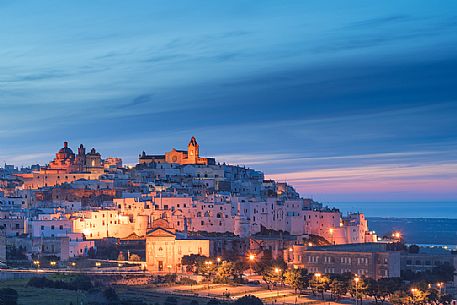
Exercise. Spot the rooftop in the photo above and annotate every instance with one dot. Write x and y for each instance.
(360, 247)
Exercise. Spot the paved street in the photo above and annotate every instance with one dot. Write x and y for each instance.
(276, 296)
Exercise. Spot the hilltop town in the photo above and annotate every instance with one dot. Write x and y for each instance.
(64, 208)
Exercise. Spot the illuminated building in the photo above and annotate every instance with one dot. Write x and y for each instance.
(66, 167)
(191, 156)
(165, 248)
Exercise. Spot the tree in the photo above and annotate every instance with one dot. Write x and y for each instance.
(207, 268)
(386, 286)
(319, 284)
(272, 275)
(134, 258)
(419, 297)
(298, 279)
(358, 288)
(238, 270)
(399, 297)
(248, 300)
(193, 261)
(224, 272)
(373, 289)
(445, 299)
(338, 287)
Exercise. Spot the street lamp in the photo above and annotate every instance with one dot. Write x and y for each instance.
(356, 280)
(251, 261)
(439, 285)
(278, 273)
(53, 263)
(208, 264)
(318, 275)
(37, 264)
(396, 235)
(413, 294)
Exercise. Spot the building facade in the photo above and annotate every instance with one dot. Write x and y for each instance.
(165, 248)
(372, 260)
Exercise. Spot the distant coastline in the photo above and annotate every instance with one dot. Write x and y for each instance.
(427, 223)
(427, 231)
(445, 210)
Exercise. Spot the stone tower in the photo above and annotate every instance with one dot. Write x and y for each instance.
(81, 158)
(192, 151)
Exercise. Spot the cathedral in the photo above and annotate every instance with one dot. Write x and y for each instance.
(66, 167)
(191, 156)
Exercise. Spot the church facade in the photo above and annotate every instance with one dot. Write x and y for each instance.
(189, 156)
(165, 248)
(66, 167)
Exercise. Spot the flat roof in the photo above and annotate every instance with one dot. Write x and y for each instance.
(359, 247)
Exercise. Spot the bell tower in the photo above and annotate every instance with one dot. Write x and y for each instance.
(192, 151)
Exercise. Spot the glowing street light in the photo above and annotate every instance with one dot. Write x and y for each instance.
(53, 263)
(251, 258)
(396, 235)
(356, 280)
(317, 275)
(37, 264)
(440, 285)
(98, 264)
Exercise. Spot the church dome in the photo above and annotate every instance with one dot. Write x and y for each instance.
(65, 149)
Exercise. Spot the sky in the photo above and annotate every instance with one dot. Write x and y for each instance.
(345, 100)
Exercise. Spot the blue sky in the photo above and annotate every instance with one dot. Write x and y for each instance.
(348, 101)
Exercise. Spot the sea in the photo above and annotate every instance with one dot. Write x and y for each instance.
(421, 223)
